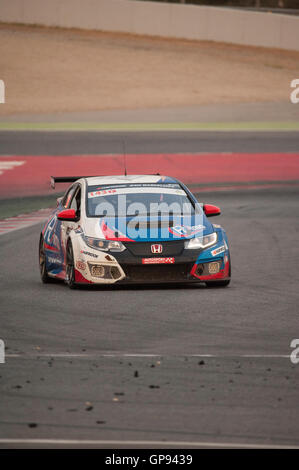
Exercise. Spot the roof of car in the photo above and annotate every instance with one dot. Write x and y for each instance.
(122, 179)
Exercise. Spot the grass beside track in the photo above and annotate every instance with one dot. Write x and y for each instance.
(25, 205)
(148, 126)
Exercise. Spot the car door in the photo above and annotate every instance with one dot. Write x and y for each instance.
(55, 259)
(73, 202)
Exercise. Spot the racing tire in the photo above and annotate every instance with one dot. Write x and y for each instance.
(42, 261)
(70, 267)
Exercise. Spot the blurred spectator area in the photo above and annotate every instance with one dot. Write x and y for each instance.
(277, 6)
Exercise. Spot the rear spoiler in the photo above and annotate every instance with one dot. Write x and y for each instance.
(72, 179)
(65, 179)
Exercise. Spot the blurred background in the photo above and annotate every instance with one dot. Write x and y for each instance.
(196, 90)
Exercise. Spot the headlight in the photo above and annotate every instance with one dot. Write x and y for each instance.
(103, 245)
(201, 242)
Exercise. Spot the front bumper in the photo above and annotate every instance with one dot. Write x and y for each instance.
(128, 266)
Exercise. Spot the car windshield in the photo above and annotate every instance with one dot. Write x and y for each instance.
(124, 200)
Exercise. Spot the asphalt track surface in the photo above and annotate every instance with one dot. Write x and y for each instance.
(66, 350)
(157, 366)
(81, 142)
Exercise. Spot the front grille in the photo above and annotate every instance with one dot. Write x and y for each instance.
(157, 272)
(171, 248)
(104, 271)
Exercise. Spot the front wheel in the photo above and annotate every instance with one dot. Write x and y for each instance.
(70, 267)
(42, 261)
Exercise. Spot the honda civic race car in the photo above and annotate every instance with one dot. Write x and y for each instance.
(132, 229)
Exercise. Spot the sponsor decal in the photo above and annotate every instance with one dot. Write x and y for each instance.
(132, 190)
(102, 192)
(138, 185)
(156, 248)
(81, 265)
(89, 253)
(158, 260)
(186, 230)
(52, 234)
(217, 251)
(53, 260)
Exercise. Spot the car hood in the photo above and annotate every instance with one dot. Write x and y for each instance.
(147, 228)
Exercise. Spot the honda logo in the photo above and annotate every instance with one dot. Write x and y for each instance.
(157, 248)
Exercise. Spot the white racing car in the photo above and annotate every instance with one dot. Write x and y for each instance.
(130, 229)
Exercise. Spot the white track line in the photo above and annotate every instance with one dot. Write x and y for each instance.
(129, 355)
(9, 165)
(154, 444)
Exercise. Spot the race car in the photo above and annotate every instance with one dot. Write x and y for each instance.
(132, 229)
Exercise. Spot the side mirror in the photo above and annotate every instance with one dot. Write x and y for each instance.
(68, 215)
(210, 210)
